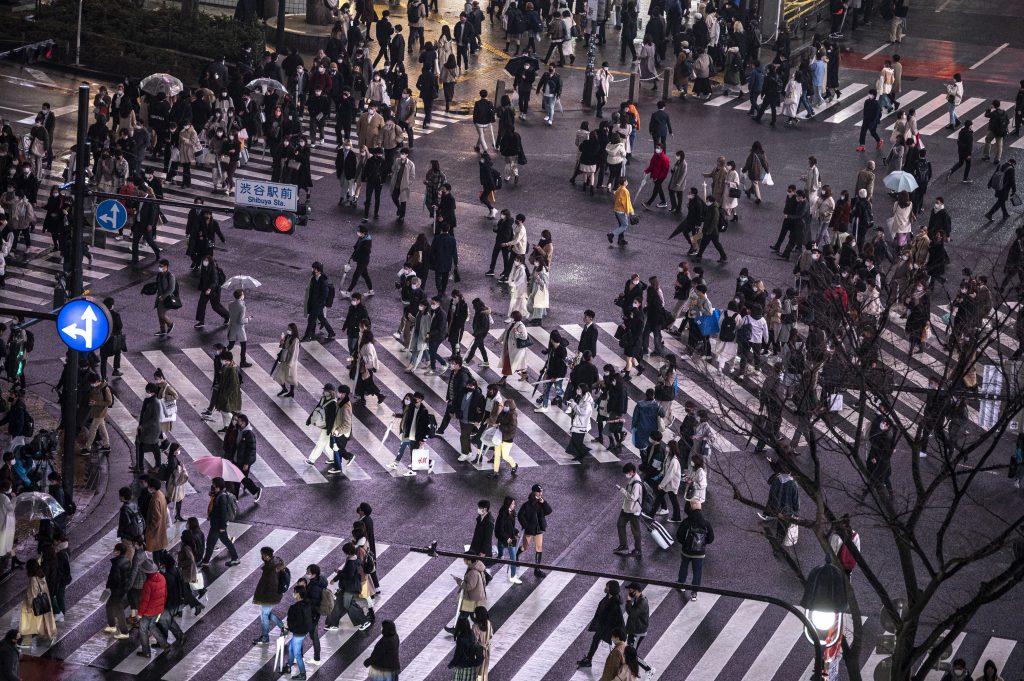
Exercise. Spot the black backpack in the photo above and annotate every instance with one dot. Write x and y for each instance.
(412, 13)
(369, 562)
(695, 540)
(136, 523)
(284, 580)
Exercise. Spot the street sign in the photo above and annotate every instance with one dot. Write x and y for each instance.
(257, 194)
(111, 215)
(83, 324)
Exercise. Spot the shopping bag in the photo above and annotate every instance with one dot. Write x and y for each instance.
(280, 655)
(421, 460)
(768, 181)
(710, 324)
(792, 535)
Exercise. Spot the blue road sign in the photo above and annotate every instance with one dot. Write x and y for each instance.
(83, 324)
(111, 215)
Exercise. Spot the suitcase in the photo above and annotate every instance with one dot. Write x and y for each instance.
(661, 536)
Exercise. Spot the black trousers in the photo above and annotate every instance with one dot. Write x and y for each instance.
(965, 161)
(478, 344)
(311, 321)
(865, 129)
(140, 455)
(214, 301)
(505, 253)
(138, 235)
(711, 239)
(361, 271)
(242, 344)
(372, 190)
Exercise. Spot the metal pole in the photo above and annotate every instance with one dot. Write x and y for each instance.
(70, 406)
(78, 33)
(667, 81)
(279, 35)
(819, 651)
(588, 83)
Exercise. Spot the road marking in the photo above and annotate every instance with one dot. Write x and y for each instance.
(961, 110)
(776, 650)
(943, 6)
(871, 54)
(989, 56)
(41, 77)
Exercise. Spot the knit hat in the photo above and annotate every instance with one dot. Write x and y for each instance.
(148, 566)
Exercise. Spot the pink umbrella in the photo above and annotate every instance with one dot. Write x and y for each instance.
(218, 467)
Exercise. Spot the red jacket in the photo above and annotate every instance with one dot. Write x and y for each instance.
(658, 167)
(154, 595)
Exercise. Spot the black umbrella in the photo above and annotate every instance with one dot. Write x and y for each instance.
(515, 64)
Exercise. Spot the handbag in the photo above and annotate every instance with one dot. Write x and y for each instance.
(168, 410)
(735, 193)
(524, 342)
(172, 301)
(41, 604)
(294, 165)
(634, 219)
(149, 289)
(1016, 201)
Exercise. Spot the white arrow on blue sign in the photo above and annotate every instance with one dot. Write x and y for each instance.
(83, 324)
(111, 215)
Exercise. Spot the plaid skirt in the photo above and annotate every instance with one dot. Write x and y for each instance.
(464, 674)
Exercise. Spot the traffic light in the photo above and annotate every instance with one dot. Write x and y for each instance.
(265, 220)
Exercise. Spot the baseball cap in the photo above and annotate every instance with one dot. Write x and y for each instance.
(537, 488)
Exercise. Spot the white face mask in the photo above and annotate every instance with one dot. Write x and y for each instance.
(482, 511)
(406, 402)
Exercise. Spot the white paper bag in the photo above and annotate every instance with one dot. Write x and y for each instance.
(421, 460)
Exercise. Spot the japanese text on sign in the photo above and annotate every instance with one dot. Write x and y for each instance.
(256, 194)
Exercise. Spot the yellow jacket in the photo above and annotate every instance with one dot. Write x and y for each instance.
(623, 204)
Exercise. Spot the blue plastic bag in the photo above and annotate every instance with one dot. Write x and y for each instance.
(710, 324)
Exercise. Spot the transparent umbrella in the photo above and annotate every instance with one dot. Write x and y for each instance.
(900, 181)
(241, 281)
(161, 82)
(37, 505)
(266, 85)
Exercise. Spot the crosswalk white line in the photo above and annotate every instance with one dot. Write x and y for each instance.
(217, 591)
(938, 674)
(439, 592)
(92, 602)
(868, 671)
(678, 633)
(80, 565)
(1019, 144)
(296, 413)
(439, 386)
(360, 433)
(332, 641)
(727, 642)
(519, 622)
(941, 122)
(554, 645)
(268, 430)
(194, 398)
(216, 641)
(775, 651)
(998, 650)
(926, 109)
(443, 644)
(721, 100)
(384, 375)
(848, 92)
(849, 111)
(656, 595)
(905, 98)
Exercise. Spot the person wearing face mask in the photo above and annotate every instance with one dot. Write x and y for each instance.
(323, 417)
(319, 108)
(315, 302)
(286, 364)
(413, 428)
(237, 319)
(405, 114)
(166, 286)
(374, 174)
(403, 174)
(550, 87)
(211, 278)
(346, 170)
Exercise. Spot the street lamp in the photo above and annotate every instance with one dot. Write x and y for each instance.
(824, 602)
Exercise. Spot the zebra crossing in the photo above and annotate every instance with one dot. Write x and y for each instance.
(285, 440)
(31, 273)
(540, 626)
(932, 116)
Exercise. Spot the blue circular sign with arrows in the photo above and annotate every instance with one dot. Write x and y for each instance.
(83, 324)
(111, 215)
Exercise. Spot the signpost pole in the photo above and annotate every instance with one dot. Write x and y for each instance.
(70, 406)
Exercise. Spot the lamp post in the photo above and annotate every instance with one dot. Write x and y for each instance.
(819, 651)
(824, 603)
(588, 81)
(78, 33)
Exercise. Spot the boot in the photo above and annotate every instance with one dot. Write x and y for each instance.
(291, 392)
(537, 572)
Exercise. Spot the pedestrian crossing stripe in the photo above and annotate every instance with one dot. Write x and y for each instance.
(731, 399)
(712, 638)
(854, 106)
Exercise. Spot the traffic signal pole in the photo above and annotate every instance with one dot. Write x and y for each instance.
(70, 407)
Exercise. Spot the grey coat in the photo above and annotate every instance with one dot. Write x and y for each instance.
(236, 321)
(149, 421)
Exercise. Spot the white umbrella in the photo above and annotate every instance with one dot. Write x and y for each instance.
(266, 85)
(161, 82)
(241, 281)
(900, 181)
(37, 505)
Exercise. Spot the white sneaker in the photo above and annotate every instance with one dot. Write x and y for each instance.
(397, 337)
(392, 466)
(109, 630)
(515, 580)
(364, 626)
(541, 410)
(409, 472)
(465, 457)
(923, 454)
(663, 511)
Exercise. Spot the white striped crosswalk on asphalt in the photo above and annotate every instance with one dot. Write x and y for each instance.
(552, 614)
